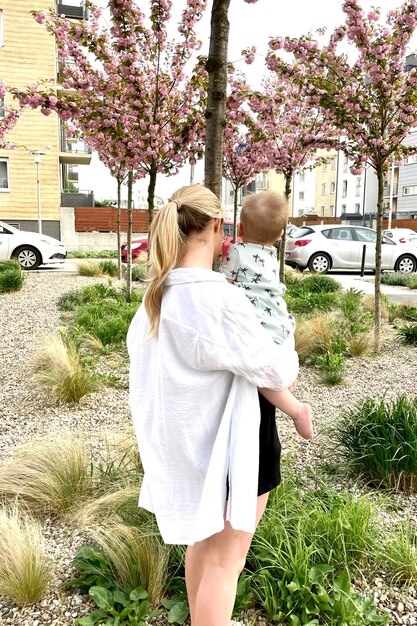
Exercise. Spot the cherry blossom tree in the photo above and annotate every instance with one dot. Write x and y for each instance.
(288, 130)
(370, 97)
(216, 66)
(8, 120)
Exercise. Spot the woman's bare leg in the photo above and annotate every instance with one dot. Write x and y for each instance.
(212, 569)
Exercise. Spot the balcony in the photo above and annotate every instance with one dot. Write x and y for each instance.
(73, 151)
(77, 198)
(387, 191)
(73, 10)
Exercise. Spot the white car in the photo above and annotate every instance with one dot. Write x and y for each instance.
(334, 246)
(30, 249)
(401, 235)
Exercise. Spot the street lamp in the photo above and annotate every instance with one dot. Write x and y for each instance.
(37, 156)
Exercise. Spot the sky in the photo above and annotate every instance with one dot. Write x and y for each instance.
(250, 24)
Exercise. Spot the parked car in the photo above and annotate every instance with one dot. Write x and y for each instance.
(401, 235)
(141, 243)
(30, 249)
(333, 246)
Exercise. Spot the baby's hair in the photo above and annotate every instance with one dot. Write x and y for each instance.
(263, 216)
(189, 210)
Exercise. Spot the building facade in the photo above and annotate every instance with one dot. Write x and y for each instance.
(28, 56)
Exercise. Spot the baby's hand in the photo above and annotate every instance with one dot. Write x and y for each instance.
(293, 387)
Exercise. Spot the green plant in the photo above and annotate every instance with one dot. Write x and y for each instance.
(139, 271)
(11, 276)
(308, 302)
(25, 569)
(408, 332)
(89, 268)
(108, 320)
(399, 554)
(60, 370)
(317, 283)
(108, 267)
(359, 344)
(378, 439)
(103, 254)
(332, 367)
(394, 278)
(49, 474)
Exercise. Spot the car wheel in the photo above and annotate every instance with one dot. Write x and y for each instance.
(320, 263)
(28, 257)
(406, 264)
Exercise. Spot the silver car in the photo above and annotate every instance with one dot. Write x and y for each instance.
(334, 246)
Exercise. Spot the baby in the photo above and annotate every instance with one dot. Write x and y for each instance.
(253, 266)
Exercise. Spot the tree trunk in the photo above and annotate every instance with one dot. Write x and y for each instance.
(129, 235)
(236, 190)
(119, 215)
(379, 215)
(151, 194)
(287, 193)
(216, 96)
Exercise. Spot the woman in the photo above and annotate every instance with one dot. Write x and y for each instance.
(197, 356)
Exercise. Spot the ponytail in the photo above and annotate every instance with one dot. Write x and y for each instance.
(189, 210)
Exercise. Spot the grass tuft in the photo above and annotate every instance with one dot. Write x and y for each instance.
(60, 370)
(48, 475)
(89, 268)
(25, 570)
(11, 276)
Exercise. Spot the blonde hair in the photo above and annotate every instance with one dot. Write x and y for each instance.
(263, 216)
(189, 210)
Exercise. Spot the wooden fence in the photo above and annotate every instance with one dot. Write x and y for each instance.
(104, 220)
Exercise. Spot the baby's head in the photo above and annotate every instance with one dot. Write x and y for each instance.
(263, 217)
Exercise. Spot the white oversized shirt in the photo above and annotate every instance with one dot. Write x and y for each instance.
(194, 403)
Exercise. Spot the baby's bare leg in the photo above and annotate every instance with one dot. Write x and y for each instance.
(300, 412)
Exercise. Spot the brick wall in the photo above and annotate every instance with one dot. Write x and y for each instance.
(104, 220)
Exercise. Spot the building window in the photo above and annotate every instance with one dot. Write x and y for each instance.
(358, 186)
(411, 159)
(334, 163)
(410, 191)
(344, 188)
(1, 28)
(332, 187)
(324, 167)
(301, 177)
(261, 181)
(331, 210)
(323, 208)
(301, 195)
(345, 163)
(357, 208)
(343, 208)
(2, 105)
(323, 189)
(4, 175)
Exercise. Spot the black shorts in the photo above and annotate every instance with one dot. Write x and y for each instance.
(269, 449)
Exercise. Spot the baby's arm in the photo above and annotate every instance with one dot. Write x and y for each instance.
(231, 264)
(300, 412)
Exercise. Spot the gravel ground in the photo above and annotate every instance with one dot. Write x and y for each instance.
(29, 316)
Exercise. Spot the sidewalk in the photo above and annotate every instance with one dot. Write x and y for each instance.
(395, 294)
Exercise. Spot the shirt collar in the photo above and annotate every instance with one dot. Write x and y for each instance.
(184, 275)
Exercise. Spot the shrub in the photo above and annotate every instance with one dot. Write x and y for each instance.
(108, 267)
(394, 278)
(60, 370)
(378, 440)
(89, 268)
(408, 332)
(332, 367)
(49, 474)
(399, 554)
(360, 344)
(317, 283)
(11, 276)
(108, 320)
(25, 570)
(306, 302)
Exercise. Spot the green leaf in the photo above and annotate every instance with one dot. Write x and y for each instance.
(138, 594)
(168, 603)
(293, 586)
(179, 613)
(102, 597)
(120, 598)
(90, 620)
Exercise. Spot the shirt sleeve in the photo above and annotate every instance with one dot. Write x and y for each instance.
(247, 349)
(231, 263)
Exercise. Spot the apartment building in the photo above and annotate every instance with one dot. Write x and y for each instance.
(41, 174)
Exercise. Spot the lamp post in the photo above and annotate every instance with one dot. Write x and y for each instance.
(37, 156)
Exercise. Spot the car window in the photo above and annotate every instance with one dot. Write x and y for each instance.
(388, 241)
(302, 232)
(326, 233)
(389, 233)
(367, 236)
(4, 231)
(341, 234)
